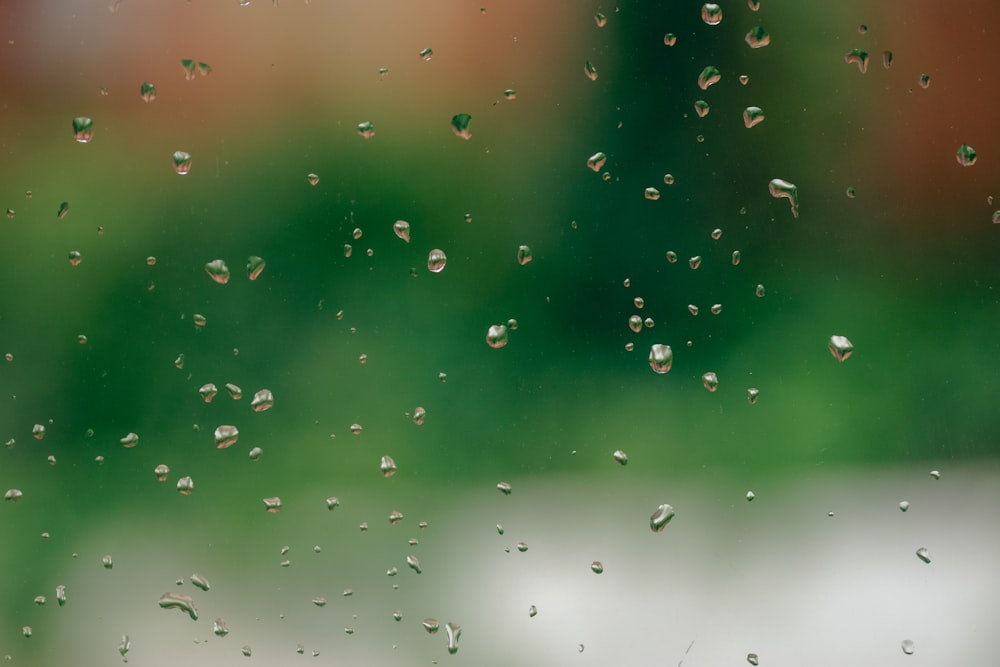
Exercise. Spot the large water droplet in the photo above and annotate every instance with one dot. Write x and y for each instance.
(661, 517)
(218, 271)
(226, 435)
(661, 357)
(83, 129)
(262, 400)
(453, 631)
(709, 76)
(436, 260)
(182, 162)
(161, 472)
(753, 116)
(180, 601)
(966, 155)
(431, 625)
(858, 57)
(711, 13)
(496, 336)
(758, 37)
(840, 347)
(199, 581)
(402, 229)
(460, 125)
(781, 189)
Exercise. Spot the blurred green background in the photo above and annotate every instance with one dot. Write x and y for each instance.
(905, 269)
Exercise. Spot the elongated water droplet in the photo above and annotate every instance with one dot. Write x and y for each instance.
(924, 555)
(147, 92)
(218, 271)
(124, 645)
(255, 267)
(887, 59)
(708, 77)
(701, 108)
(182, 162)
(453, 632)
(857, 57)
(532, 611)
(235, 392)
(661, 517)
(840, 347)
(522, 546)
(966, 155)
(61, 594)
(694, 262)
(436, 260)
(387, 466)
(262, 400)
(671, 256)
(661, 357)
(204, 69)
(83, 129)
(936, 474)
(226, 435)
(590, 71)
(366, 130)
(414, 563)
(711, 13)
(758, 38)
(753, 116)
(180, 601)
(198, 581)
(460, 125)
(402, 229)
(61, 213)
(759, 291)
(781, 189)
(13, 495)
(504, 488)
(189, 68)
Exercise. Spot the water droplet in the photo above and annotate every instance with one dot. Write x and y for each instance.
(204, 69)
(208, 392)
(711, 13)
(753, 116)
(218, 271)
(750, 496)
(966, 155)
(348, 249)
(83, 129)
(124, 645)
(996, 217)
(596, 161)
(717, 234)
(395, 517)
(182, 162)
(402, 229)
(332, 503)
(620, 456)
(431, 625)
(319, 602)
(147, 92)
(366, 129)
(61, 595)
(858, 57)
(652, 194)
(936, 474)
(26, 631)
(660, 518)
(752, 659)
(40, 600)
(220, 628)
(669, 39)
(189, 68)
(716, 308)
(355, 429)
(671, 256)
(179, 601)
(226, 435)
(710, 380)
(908, 646)
(924, 555)
(161, 472)
(758, 37)
(701, 108)
(129, 440)
(504, 488)
(522, 546)
(597, 567)
(10, 213)
(387, 466)
(851, 192)
(427, 53)
(600, 19)
(199, 581)
(235, 392)
(247, 651)
(436, 261)
(737, 257)
(460, 125)
(781, 189)
(496, 336)
(709, 76)
(75, 258)
(752, 395)
(523, 255)
(695, 262)
(63, 210)
(693, 309)
(661, 357)
(397, 615)
(840, 347)
(925, 81)
(862, 29)
(272, 504)
(414, 564)
(887, 59)
(590, 71)
(262, 400)
(185, 485)
(419, 414)
(759, 291)
(904, 505)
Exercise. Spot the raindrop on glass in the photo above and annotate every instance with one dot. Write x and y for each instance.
(660, 358)
(218, 271)
(523, 255)
(597, 567)
(710, 381)
(904, 505)
(220, 628)
(182, 162)
(199, 581)
(496, 336)
(185, 603)
(185, 485)
(936, 474)
(758, 37)
(460, 125)
(908, 646)
(701, 108)
(924, 555)
(272, 504)
(414, 564)
(504, 488)
(966, 155)
(255, 266)
(620, 456)
(851, 192)
(924, 81)
(510, 94)
(161, 472)
(63, 210)
(402, 229)
(387, 466)
(129, 440)
(262, 400)
(781, 189)
(226, 435)
(711, 13)
(208, 392)
(857, 57)
(83, 129)
(419, 414)
(600, 19)
(759, 291)
(596, 161)
(671, 256)
(436, 260)
(652, 194)
(709, 76)
(590, 71)
(753, 116)
(426, 53)
(669, 39)
(453, 631)
(840, 347)
(661, 517)
(431, 625)
(75, 258)
(695, 262)
(147, 92)
(752, 395)
(752, 659)
(366, 130)
(887, 59)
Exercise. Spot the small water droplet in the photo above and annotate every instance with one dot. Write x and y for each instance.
(753, 116)
(671, 256)
(857, 57)
(752, 659)
(693, 309)
(744, 79)
(600, 19)
(887, 59)
(496, 336)
(247, 651)
(319, 601)
(840, 347)
(752, 395)
(596, 567)
(695, 262)
(61, 213)
(661, 357)
(431, 625)
(710, 381)
(522, 546)
(750, 496)
(402, 230)
(220, 628)
(904, 505)
(124, 645)
(255, 266)
(669, 39)
(661, 517)
(935, 474)
(387, 466)
(996, 217)
(908, 646)
(716, 308)
(147, 92)
(182, 162)
(107, 561)
(781, 189)
(504, 488)
(759, 291)
(61, 594)
(161, 472)
(217, 271)
(758, 37)
(652, 194)
(185, 485)
(966, 155)
(199, 581)
(129, 440)
(426, 53)
(851, 192)
(596, 161)
(701, 108)
(924, 81)
(510, 94)
(185, 603)
(924, 555)
(366, 129)
(453, 631)
(395, 517)
(26, 631)
(83, 129)
(262, 400)
(419, 414)
(523, 255)
(226, 435)
(332, 503)
(272, 504)
(436, 261)
(460, 125)
(590, 71)
(711, 13)
(397, 615)
(708, 77)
